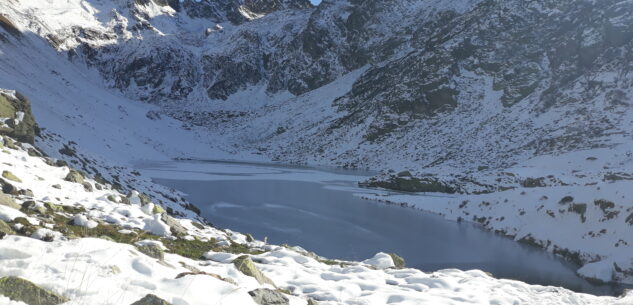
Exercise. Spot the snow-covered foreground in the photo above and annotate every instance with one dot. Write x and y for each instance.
(100, 271)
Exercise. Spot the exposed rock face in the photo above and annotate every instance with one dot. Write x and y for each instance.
(16, 119)
(21, 290)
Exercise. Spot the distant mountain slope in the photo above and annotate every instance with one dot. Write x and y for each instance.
(515, 78)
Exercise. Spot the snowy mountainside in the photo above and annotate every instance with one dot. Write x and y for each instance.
(517, 79)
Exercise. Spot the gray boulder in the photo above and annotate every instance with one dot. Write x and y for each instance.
(21, 290)
(20, 123)
(74, 176)
(265, 296)
(10, 176)
(151, 299)
(5, 229)
(8, 201)
(176, 229)
(245, 265)
(152, 250)
(8, 188)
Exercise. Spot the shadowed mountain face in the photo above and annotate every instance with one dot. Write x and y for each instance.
(517, 78)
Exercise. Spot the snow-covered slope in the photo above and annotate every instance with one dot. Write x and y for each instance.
(98, 246)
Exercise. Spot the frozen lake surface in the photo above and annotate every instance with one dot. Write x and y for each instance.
(322, 210)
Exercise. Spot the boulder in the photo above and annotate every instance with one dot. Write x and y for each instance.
(151, 299)
(74, 176)
(158, 209)
(398, 261)
(19, 122)
(21, 290)
(87, 186)
(10, 176)
(5, 229)
(175, 227)
(26, 192)
(8, 201)
(265, 296)
(245, 265)
(8, 188)
(8, 142)
(152, 250)
(31, 205)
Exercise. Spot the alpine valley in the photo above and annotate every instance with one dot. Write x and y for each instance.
(519, 110)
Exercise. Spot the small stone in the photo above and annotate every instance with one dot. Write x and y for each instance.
(31, 205)
(265, 296)
(10, 176)
(56, 186)
(197, 225)
(9, 143)
(34, 152)
(151, 299)
(158, 209)
(26, 192)
(87, 186)
(53, 207)
(21, 290)
(228, 280)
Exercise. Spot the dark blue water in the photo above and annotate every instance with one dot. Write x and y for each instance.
(336, 224)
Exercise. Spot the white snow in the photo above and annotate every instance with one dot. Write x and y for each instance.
(156, 226)
(380, 261)
(83, 221)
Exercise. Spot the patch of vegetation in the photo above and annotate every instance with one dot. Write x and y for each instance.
(533, 182)
(194, 249)
(579, 208)
(603, 204)
(566, 200)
